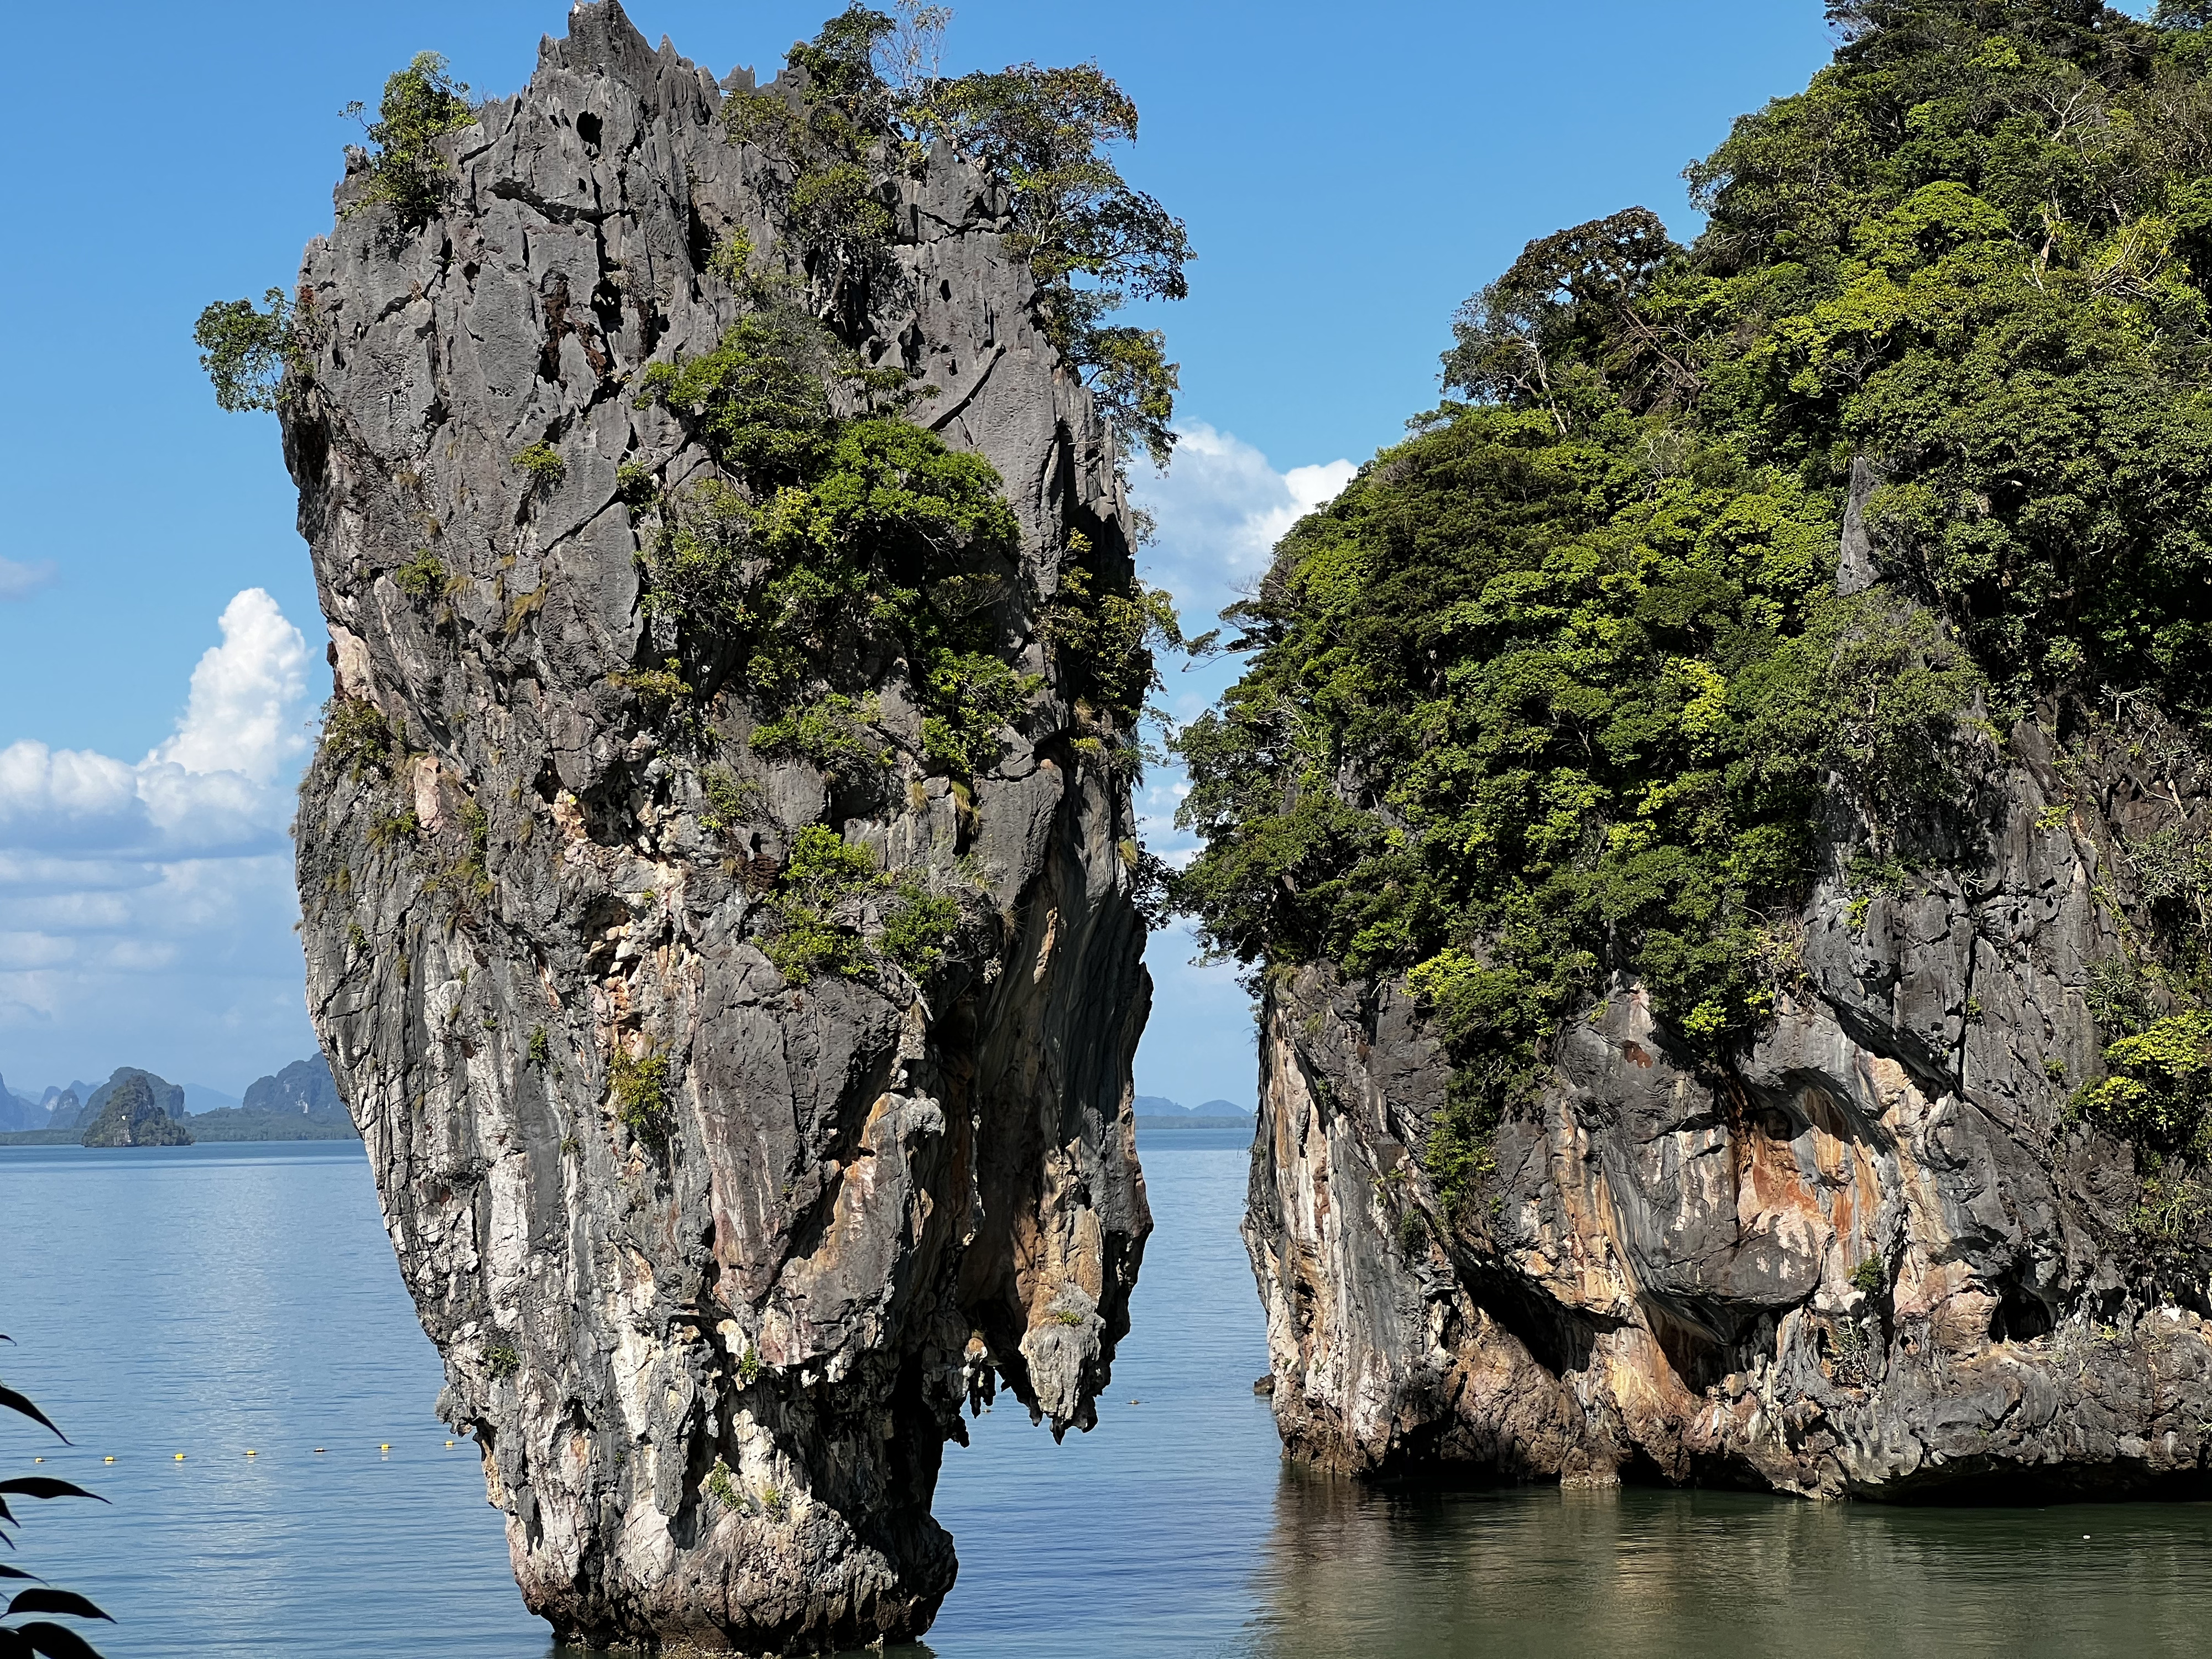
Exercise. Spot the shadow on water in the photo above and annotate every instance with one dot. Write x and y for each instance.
(1349, 1570)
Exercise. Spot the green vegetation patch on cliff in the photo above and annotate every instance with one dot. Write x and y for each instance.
(865, 99)
(834, 546)
(1527, 709)
(2160, 1085)
(407, 170)
(1556, 687)
(833, 917)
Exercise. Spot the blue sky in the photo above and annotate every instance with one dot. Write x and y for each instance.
(1348, 174)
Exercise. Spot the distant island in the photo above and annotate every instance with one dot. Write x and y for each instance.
(1158, 1108)
(135, 1108)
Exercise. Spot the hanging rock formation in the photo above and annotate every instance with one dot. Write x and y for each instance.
(1876, 1257)
(710, 1352)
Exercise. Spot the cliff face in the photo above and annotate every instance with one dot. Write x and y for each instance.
(710, 1350)
(1873, 1257)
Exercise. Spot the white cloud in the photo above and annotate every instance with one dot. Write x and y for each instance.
(1220, 509)
(149, 908)
(240, 717)
(20, 581)
(206, 791)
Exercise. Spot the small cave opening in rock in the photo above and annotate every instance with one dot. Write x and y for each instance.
(2020, 1314)
(587, 129)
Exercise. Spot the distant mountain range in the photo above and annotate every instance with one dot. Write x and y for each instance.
(1161, 1106)
(300, 1102)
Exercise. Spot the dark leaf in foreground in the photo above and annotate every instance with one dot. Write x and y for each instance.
(55, 1600)
(57, 1642)
(10, 1400)
(44, 1486)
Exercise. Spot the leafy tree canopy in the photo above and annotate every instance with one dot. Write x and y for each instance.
(870, 97)
(1558, 687)
(407, 170)
(243, 350)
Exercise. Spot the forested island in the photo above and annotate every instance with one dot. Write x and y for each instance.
(135, 1108)
(1716, 816)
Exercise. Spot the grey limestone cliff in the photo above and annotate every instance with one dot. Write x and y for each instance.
(711, 1346)
(1876, 1256)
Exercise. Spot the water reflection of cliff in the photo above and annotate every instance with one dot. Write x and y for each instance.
(1540, 1572)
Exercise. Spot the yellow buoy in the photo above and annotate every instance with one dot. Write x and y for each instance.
(108, 1460)
(180, 1458)
(385, 1446)
(250, 1452)
(43, 1460)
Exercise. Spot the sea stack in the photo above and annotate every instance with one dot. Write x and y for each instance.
(741, 1109)
(136, 1109)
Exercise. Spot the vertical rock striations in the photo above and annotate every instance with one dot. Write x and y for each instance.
(713, 1259)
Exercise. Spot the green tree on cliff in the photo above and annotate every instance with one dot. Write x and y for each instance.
(868, 98)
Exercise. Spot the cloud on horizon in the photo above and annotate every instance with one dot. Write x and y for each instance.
(149, 908)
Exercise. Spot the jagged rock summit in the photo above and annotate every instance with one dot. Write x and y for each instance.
(713, 1259)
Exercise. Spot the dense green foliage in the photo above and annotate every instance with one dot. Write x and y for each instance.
(421, 577)
(1556, 689)
(639, 1087)
(2159, 1086)
(356, 737)
(819, 900)
(823, 902)
(843, 544)
(408, 171)
(244, 349)
(543, 463)
(870, 100)
(1103, 641)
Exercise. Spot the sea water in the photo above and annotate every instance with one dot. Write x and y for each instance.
(211, 1300)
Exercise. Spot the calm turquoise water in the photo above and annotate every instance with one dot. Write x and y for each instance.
(206, 1299)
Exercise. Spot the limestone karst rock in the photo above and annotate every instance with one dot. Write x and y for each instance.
(304, 1087)
(1876, 1257)
(136, 1109)
(714, 1261)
